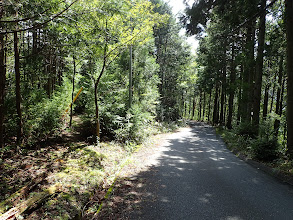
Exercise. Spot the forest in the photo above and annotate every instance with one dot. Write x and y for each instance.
(244, 65)
(119, 71)
(127, 56)
(83, 84)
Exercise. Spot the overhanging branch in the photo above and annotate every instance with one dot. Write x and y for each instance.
(42, 24)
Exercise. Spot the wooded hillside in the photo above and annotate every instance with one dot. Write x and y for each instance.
(245, 70)
(126, 55)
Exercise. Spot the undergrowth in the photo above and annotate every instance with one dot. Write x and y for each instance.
(263, 148)
(77, 170)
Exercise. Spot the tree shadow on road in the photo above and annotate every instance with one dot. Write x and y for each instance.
(183, 182)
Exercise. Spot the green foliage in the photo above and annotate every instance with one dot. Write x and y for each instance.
(42, 117)
(234, 141)
(246, 130)
(136, 126)
(176, 70)
(264, 149)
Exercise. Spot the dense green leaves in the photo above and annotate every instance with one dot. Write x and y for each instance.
(66, 45)
(241, 69)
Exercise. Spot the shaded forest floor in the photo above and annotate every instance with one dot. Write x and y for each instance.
(68, 178)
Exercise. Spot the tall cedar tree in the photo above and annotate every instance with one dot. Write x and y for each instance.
(259, 67)
(289, 35)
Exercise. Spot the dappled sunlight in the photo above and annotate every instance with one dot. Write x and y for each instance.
(189, 176)
(183, 173)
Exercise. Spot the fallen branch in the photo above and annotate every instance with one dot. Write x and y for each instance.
(31, 203)
(20, 194)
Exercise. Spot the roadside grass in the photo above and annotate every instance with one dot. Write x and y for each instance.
(235, 143)
(243, 146)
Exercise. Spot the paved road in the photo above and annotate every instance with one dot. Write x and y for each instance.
(196, 177)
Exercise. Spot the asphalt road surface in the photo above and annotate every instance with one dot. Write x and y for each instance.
(196, 177)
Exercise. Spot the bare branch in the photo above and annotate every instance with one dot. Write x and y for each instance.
(25, 19)
(42, 24)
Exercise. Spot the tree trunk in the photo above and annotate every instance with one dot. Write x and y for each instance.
(273, 93)
(185, 107)
(189, 106)
(266, 102)
(209, 111)
(130, 78)
(282, 95)
(259, 68)
(72, 94)
(278, 101)
(248, 74)
(2, 79)
(200, 106)
(223, 94)
(232, 89)
(204, 105)
(193, 107)
(98, 128)
(216, 111)
(289, 37)
(17, 89)
(240, 108)
(2, 86)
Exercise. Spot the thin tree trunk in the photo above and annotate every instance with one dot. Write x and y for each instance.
(193, 107)
(204, 105)
(289, 37)
(282, 95)
(2, 85)
(240, 108)
(130, 77)
(72, 94)
(209, 111)
(25, 76)
(2, 79)
(266, 102)
(225, 109)
(259, 68)
(278, 101)
(185, 108)
(200, 106)
(273, 94)
(223, 94)
(232, 89)
(216, 111)
(17, 89)
(189, 106)
(98, 128)
(60, 72)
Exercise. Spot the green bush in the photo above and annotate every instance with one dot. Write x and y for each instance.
(234, 141)
(246, 129)
(44, 117)
(136, 126)
(264, 149)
